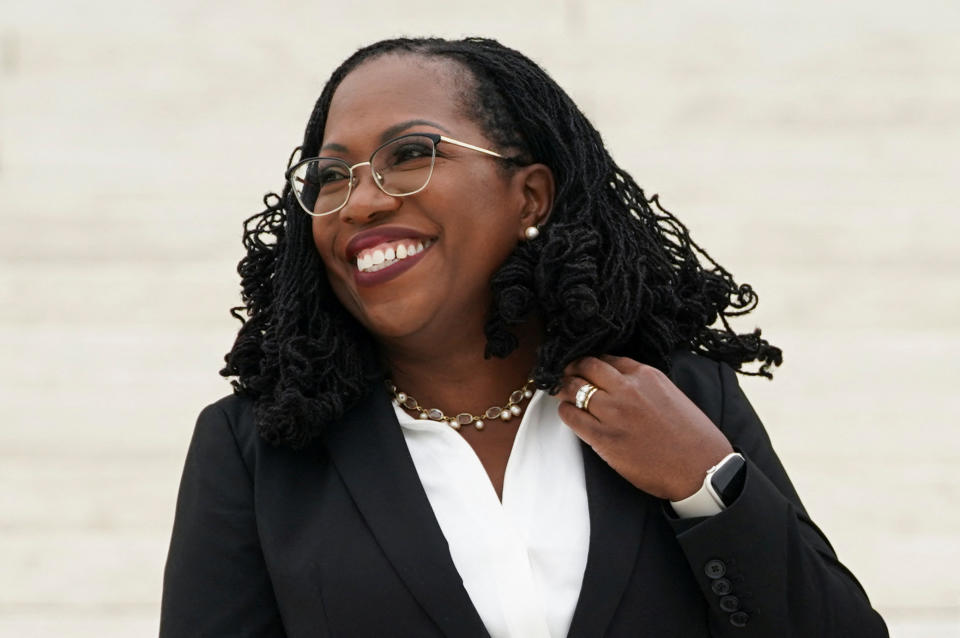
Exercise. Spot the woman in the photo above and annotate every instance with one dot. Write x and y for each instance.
(453, 244)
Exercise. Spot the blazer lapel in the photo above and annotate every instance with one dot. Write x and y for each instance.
(369, 452)
(617, 514)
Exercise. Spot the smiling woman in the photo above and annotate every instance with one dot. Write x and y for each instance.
(485, 386)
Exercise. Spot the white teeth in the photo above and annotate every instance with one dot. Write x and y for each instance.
(384, 258)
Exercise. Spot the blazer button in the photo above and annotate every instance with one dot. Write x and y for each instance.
(739, 619)
(729, 603)
(714, 569)
(721, 587)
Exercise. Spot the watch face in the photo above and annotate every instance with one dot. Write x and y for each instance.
(727, 480)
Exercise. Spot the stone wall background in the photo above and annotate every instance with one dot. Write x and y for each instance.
(809, 146)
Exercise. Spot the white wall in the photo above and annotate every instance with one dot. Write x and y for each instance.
(810, 146)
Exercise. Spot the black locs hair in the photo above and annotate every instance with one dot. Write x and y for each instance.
(612, 271)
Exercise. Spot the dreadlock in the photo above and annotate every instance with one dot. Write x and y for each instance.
(612, 271)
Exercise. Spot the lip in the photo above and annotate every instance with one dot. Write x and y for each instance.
(379, 235)
(365, 279)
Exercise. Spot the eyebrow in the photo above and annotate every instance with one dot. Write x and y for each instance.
(387, 134)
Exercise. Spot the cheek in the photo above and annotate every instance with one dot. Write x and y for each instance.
(483, 205)
(323, 243)
(322, 239)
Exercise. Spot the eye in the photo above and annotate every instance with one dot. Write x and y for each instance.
(323, 174)
(331, 175)
(409, 152)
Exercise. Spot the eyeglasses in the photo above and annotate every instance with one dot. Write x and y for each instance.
(403, 166)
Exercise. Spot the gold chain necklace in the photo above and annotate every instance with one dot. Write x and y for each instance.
(511, 410)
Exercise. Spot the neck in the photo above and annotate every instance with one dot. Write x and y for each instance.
(455, 377)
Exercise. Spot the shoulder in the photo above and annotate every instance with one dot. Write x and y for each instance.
(696, 371)
(234, 410)
(703, 380)
(714, 387)
(234, 417)
(229, 418)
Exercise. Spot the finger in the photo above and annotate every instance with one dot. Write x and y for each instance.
(584, 425)
(623, 365)
(596, 402)
(596, 371)
(633, 373)
(569, 386)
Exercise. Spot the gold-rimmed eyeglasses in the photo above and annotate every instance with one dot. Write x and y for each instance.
(403, 166)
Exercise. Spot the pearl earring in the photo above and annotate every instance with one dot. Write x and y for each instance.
(531, 232)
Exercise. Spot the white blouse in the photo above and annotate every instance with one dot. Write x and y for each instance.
(522, 560)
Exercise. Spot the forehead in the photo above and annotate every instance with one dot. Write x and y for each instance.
(396, 88)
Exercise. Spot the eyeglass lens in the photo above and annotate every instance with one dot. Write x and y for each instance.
(400, 167)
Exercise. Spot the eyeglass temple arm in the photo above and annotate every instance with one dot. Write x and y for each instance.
(470, 146)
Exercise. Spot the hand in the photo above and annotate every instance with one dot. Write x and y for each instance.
(642, 425)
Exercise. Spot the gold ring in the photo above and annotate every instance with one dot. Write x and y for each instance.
(584, 394)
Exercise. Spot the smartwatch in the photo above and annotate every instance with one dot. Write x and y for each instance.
(721, 486)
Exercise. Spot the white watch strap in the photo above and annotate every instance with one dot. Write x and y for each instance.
(705, 502)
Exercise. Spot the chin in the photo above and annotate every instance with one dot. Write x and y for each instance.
(388, 329)
(389, 313)
(387, 321)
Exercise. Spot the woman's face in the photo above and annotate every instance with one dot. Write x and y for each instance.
(468, 219)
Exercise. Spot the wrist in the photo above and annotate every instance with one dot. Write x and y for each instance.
(700, 464)
(688, 488)
(720, 487)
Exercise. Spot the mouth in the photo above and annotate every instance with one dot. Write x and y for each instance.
(388, 254)
(379, 257)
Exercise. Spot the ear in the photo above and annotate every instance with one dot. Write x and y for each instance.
(536, 189)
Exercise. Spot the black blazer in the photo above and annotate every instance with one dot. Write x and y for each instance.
(339, 539)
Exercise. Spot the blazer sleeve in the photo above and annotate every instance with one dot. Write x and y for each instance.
(215, 581)
(763, 566)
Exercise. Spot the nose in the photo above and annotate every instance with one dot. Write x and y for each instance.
(366, 202)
